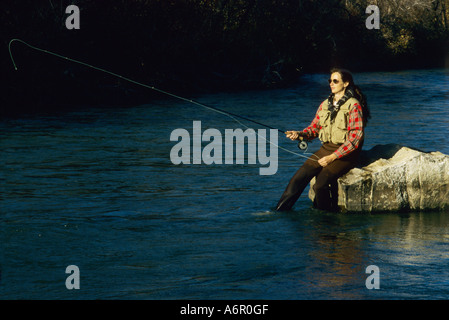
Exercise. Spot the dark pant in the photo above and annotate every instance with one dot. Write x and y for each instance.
(326, 192)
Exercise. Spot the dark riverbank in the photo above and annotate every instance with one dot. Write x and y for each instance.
(190, 47)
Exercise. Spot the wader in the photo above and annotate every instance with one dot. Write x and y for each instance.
(326, 191)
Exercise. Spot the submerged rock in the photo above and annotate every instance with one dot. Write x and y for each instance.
(395, 178)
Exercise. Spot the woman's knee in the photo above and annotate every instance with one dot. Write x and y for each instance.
(320, 188)
(323, 181)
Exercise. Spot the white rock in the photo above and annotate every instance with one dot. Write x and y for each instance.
(407, 179)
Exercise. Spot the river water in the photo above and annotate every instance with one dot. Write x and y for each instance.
(96, 188)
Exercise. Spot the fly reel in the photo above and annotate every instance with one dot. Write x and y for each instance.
(303, 145)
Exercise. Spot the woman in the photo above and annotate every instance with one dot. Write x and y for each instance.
(339, 123)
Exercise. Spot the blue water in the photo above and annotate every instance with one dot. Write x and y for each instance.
(95, 188)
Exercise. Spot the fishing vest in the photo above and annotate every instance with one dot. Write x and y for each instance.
(335, 131)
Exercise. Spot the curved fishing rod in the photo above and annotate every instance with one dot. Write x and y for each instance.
(303, 145)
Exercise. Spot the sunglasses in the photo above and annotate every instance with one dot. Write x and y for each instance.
(333, 80)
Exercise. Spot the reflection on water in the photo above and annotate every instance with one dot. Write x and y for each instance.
(96, 188)
(409, 249)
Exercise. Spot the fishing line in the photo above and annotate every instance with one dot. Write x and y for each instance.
(226, 113)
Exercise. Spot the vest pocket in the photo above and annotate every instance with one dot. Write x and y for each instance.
(339, 136)
(341, 120)
(324, 134)
(340, 128)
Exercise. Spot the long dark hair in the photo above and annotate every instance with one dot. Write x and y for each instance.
(346, 76)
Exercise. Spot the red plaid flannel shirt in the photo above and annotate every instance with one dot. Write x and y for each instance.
(355, 130)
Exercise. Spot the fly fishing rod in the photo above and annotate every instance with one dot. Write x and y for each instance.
(303, 145)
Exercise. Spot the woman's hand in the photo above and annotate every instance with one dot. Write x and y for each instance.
(324, 161)
(294, 135)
